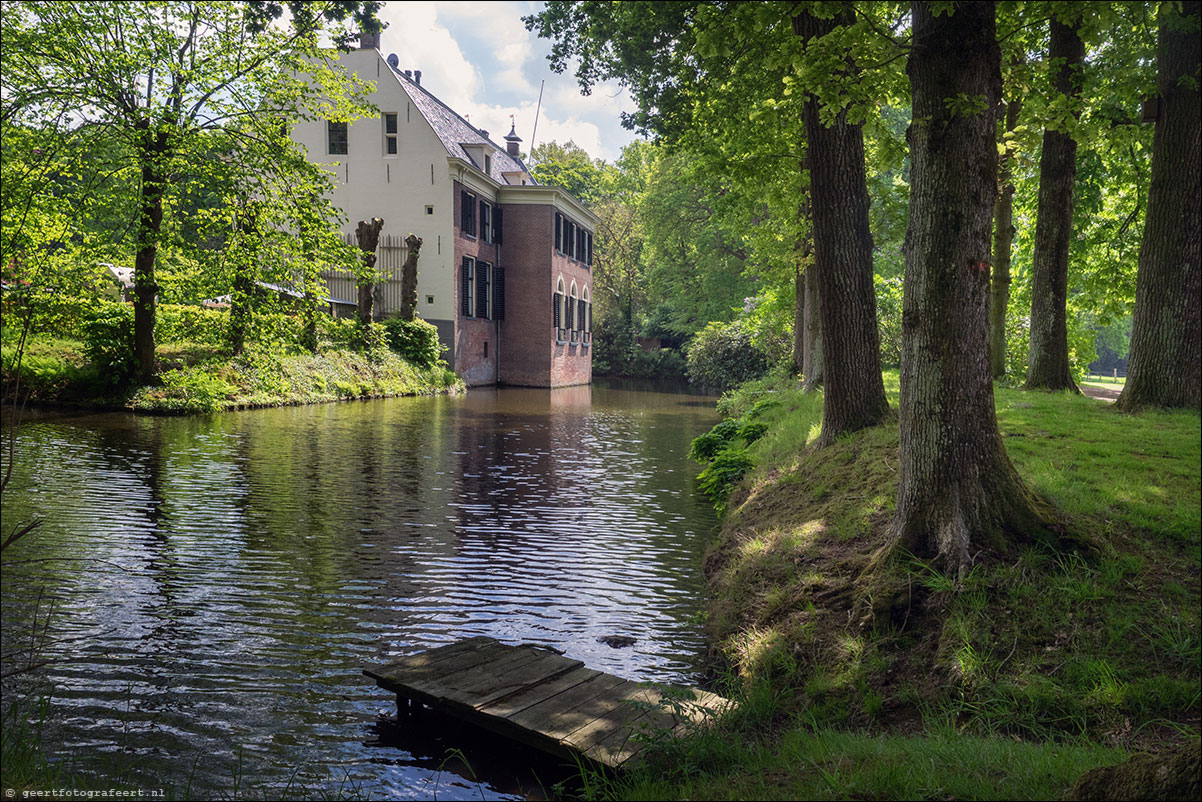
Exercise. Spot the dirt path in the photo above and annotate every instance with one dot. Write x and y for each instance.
(1100, 393)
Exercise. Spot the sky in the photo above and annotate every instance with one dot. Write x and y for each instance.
(479, 59)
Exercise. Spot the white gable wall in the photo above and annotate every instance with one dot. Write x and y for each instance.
(369, 183)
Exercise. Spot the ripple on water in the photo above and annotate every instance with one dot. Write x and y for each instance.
(215, 584)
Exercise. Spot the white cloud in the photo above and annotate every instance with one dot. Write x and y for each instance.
(496, 72)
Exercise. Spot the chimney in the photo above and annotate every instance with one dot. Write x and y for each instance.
(369, 41)
(483, 133)
(512, 139)
(417, 77)
(409, 74)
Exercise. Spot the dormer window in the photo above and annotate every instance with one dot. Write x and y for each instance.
(336, 138)
(390, 133)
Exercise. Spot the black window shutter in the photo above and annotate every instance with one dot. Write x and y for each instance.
(590, 318)
(498, 293)
(590, 250)
(558, 233)
(555, 304)
(496, 226)
(571, 314)
(485, 221)
(482, 289)
(465, 287)
(583, 312)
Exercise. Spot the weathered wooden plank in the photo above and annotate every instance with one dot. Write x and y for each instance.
(465, 687)
(626, 703)
(445, 658)
(531, 675)
(564, 712)
(541, 698)
(527, 697)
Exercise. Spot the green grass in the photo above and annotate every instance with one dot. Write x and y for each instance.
(1041, 646)
(198, 378)
(801, 763)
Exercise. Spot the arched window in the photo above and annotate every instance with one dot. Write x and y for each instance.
(573, 324)
(586, 316)
(557, 311)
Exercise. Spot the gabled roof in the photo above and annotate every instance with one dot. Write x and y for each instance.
(454, 131)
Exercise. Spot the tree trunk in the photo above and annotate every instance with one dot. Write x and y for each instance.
(153, 153)
(409, 277)
(246, 256)
(955, 482)
(368, 236)
(813, 331)
(799, 322)
(1047, 361)
(853, 390)
(1165, 354)
(1003, 241)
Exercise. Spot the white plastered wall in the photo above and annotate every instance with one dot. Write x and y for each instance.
(369, 183)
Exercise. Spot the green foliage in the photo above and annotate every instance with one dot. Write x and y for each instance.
(109, 341)
(191, 324)
(725, 470)
(705, 447)
(889, 318)
(415, 340)
(616, 352)
(194, 391)
(725, 354)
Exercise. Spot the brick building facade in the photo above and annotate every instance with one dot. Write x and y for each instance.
(505, 271)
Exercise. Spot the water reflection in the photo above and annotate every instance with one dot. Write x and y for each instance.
(218, 582)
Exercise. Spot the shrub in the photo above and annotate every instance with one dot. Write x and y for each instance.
(415, 340)
(729, 466)
(707, 446)
(191, 324)
(108, 336)
(724, 354)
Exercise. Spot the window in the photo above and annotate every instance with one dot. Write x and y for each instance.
(571, 324)
(483, 269)
(586, 318)
(498, 293)
(467, 285)
(429, 210)
(485, 222)
(557, 313)
(390, 134)
(569, 238)
(467, 220)
(497, 217)
(429, 299)
(336, 135)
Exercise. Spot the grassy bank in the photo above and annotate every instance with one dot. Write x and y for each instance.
(197, 377)
(870, 679)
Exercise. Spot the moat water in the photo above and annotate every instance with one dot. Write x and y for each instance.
(206, 590)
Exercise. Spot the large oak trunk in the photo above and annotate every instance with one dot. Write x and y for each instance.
(853, 390)
(957, 491)
(153, 153)
(1003, 241)
(1165, 338)
(1047, 361)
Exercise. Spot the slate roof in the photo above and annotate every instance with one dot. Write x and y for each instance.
(454, 130)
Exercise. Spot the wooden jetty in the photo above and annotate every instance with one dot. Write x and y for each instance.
(543, 699)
